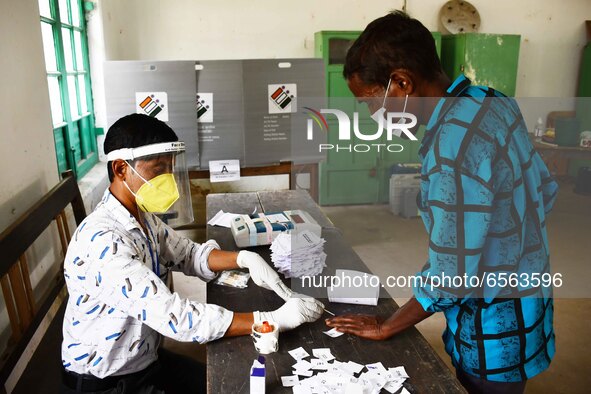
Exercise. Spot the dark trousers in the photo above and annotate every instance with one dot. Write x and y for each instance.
(171, 374)
(476, 385)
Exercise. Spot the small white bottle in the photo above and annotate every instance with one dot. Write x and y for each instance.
(539, 130)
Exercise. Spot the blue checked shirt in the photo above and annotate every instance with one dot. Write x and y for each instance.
(485, 193)
(119, 304)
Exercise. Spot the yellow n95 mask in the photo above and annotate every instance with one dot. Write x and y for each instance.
(166, 190)
(156, 195)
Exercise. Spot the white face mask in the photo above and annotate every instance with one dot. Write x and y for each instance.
(380, 114)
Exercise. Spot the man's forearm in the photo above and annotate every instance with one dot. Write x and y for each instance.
(241, 324)
(406, 316)
(221, 260)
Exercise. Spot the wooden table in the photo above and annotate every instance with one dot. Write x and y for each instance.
(229, 359)
(557, 157)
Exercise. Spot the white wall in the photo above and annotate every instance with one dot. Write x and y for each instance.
(552, 31)
(25, 119)
(27, 152)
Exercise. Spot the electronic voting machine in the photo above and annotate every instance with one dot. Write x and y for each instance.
(263, 228)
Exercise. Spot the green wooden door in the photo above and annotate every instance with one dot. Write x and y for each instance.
(349, 177)
(583, 106)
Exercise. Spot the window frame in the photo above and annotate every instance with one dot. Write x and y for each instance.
(78, 151)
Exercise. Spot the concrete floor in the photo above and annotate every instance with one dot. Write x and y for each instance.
(391, 245)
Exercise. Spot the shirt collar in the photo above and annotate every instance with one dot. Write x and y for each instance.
(121, 214)
(457, 87)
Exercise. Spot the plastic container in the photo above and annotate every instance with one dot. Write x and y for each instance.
(409, 207)
(567, 131)
(539, 130)
(399, 183)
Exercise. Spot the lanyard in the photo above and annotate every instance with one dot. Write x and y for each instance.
(155, 264)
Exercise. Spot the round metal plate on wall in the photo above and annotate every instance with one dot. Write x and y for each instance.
(459, 16)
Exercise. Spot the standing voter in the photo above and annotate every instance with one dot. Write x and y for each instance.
(485, 193)
(117, 265)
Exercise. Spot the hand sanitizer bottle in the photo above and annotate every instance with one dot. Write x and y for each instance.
(539, 130)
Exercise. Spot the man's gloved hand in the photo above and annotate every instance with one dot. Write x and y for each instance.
(262, 274)
(297, 310)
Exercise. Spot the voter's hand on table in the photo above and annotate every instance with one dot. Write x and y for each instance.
(365, 326)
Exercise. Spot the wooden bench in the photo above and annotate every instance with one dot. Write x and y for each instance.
(25, 314)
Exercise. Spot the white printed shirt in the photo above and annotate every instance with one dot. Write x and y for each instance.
(119, 304)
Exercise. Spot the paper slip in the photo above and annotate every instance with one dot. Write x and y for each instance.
(298, 353)
(398, 372)
(222, 219)
(302, 389)
(319, 364)
(333, 333)
(352, 367)
(354, 388)
(394, 386)
(302, 372)
(289, 381)
(340, 377)
(302, 365)
(323, 353)
(376, 366)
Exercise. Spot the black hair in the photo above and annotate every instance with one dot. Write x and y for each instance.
(393, 41)
(133, 131)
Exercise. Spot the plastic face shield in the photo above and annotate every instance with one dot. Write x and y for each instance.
(151, 161)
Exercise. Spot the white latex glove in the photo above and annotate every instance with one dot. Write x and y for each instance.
(297, 310)
(262, 274)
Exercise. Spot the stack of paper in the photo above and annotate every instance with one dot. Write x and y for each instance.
(325, 374)
(298, 254)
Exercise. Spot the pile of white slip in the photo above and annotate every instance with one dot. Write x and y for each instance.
(324, 374)
(298, 254)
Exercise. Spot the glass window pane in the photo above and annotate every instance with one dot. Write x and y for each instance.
(67, 40)
(78, 46)
(55, 99)
(63, 4)
(48, 47)
(44, 9)
(75, 12)
(73, 97)
(82, 90)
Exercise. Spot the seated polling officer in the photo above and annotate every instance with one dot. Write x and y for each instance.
(484, 196)
(116, 269)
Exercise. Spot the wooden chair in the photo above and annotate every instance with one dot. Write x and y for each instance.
(24, 313)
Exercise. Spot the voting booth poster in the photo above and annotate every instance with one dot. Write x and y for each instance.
(154, 104)
(204, 106)
(282, 98)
